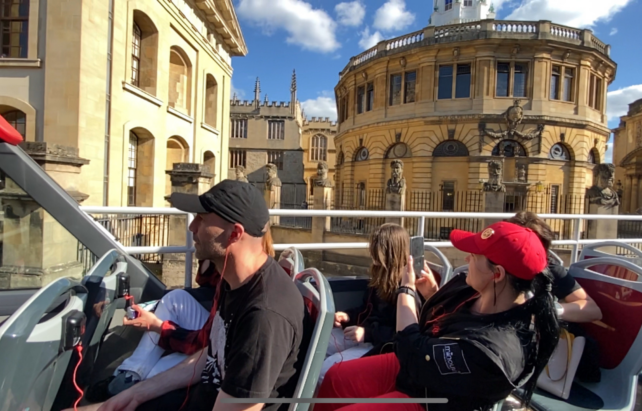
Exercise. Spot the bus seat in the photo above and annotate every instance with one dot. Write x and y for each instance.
(288, 266)
(556, 258)
(318, 299)
(619, 336)
(32, 351)
(632, 254)
(296, 258)
(460, 270)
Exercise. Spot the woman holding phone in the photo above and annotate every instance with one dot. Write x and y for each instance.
(473, 342)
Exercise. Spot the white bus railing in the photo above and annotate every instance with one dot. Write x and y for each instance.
(421, 216)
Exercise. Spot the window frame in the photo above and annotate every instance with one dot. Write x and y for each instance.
(276, 157)
(136, 49)
(451, 201)
(595, 93)
(271, 128)
(560, 92)
(453, 86)
(25, 29)
(512, 76)
(448, 5)
(132, 168)
(361, 98)
(468, 3)
(370, 96)
(236, 154)
(234, 128)
(554, 200)
(319, 152)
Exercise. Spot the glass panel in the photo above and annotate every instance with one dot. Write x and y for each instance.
(449, 4)
(409, 92)
(34, 248)
(463, 81)
(520, 79)
(448, 199)
(395, 89)
(361, 92)
(555, 83)
(370, 97)
(569, 90)
(503, 79)
(445, 82)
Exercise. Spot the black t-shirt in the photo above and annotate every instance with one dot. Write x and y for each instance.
(563, 284)
(257, 340)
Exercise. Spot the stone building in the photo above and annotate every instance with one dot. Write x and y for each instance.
(318, 145)
(123, 89)
(448, 100)
(627, 156)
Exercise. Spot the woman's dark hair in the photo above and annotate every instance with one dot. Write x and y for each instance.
(531, 220)
(542, 308)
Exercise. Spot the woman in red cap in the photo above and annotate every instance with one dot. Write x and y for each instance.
(473, 342)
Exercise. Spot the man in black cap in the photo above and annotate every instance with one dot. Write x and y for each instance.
(259, 328)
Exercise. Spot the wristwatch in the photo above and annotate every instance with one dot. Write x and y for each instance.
(560, 309)
(406, 290)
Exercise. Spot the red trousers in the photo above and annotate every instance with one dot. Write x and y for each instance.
(369, 377)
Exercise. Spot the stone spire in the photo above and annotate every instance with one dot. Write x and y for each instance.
(257, 92)
(293, 93)
(266, 98)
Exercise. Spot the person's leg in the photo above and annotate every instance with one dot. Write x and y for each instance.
(346, 355)
(167, 362)
(367, 377)
(386, 407)
(177, 306)
(197, 399)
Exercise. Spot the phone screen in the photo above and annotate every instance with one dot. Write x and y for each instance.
(417, 252)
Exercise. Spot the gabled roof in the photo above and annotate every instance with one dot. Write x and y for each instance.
(222, 15)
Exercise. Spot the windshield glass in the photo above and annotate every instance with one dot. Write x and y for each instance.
(34, 248)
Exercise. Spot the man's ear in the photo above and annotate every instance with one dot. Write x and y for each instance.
(236, 234)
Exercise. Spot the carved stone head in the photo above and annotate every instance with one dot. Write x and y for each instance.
(240, 172)
(604, 176)
(322, 170)
(396, 183)
(397, 169)
(602, 192)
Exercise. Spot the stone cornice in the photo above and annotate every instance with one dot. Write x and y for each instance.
(44, 152)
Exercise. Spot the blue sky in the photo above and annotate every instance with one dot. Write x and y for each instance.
(318, 37)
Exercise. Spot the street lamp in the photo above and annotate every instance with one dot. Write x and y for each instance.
(539, 186)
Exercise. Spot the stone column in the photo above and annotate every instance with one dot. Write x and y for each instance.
(322, 200)
(188, 178)
(628, 194)
(638, 203)
(272, 197)
(603, 229)
(36, 248)
(395, 202)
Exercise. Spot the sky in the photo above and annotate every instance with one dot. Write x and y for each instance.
(317, 38)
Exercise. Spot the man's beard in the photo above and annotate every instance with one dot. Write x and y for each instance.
(211, 251)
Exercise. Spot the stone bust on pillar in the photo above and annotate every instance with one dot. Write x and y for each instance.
(397, 182)
(240, 174)
(272, 182)
(603, 193)
(322, 179)
(495, 173)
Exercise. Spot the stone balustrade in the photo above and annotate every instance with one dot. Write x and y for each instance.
(483, 29)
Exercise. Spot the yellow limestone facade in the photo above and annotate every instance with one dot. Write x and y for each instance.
(448, 100)
(133, 85)
(627, 156)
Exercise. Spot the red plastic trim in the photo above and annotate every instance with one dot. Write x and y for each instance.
(8, 134)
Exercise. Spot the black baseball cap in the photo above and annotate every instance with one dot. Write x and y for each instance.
(233, 201)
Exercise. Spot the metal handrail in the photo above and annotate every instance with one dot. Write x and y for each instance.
(188, 249)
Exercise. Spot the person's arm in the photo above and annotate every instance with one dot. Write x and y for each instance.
(579, 307)
(262, 342)
(406, 303)
(186, 373)
(220, 404)
(175, 338)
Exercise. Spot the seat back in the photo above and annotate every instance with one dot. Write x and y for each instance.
(292, 261)
(619, 333)
(556, 257)
(317, 296)
(460, 270)
(33, 362)
(443, 271)
(609, 249)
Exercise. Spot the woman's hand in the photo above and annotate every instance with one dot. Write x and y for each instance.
(408, 278)
(354, 333)
(146, 319)
(427, 285)
(340, 317)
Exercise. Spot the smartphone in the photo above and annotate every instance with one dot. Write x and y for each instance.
(148, 306)
(417, 253)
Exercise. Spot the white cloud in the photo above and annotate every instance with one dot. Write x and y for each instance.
(613, 31)
(574, 13)
(240, 93)
(312, 29)
(393, 16)
(618, 101)
(350, 14)
(322, 106)
(369, 40)
(608, 156)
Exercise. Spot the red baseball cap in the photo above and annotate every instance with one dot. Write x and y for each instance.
(518, 249)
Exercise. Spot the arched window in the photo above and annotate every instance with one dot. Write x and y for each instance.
(399, 150)
(340, 158)
(144, 52)
(362, 154)
(450, 148)
(177, 152)
(559, 152)
(209, 161)
(132, 167)
(319, 148)
(17, 119)
(211, 98)
(180, 78)
(594, 156)
(509, 148)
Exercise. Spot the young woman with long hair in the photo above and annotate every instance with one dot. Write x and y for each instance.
(371, 325)
(473, 342)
